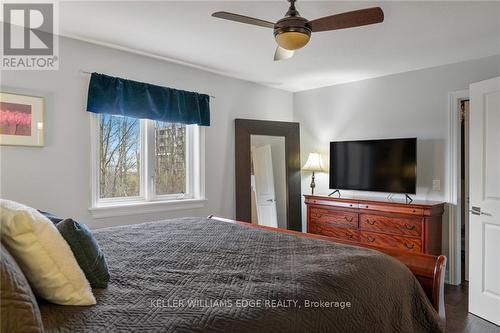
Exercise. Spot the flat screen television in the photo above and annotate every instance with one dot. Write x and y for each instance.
(388, 165)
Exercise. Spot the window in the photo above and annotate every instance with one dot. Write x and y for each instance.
(119, 157)
(144, 161)
(170, 158)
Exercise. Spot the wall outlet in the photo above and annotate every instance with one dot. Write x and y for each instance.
(436, 185)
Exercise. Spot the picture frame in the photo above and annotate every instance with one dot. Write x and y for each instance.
(21, 120)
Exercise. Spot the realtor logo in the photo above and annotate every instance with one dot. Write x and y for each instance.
(29, 36)
(28, 29)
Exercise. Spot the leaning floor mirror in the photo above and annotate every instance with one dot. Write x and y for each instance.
(268, 173)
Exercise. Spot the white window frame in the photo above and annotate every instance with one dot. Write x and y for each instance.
(148, 201)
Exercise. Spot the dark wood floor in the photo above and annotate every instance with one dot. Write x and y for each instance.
(458, 319)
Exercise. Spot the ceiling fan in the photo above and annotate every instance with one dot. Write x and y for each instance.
(293, 31)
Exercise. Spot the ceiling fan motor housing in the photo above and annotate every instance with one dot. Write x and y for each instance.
(292, 32)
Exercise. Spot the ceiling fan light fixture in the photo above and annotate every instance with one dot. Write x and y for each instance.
(293, 32)
(292, 40)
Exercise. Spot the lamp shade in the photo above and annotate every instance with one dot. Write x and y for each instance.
(314, 163)
(292, 40)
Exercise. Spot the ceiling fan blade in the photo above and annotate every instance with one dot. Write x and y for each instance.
(243, 19)
(355, 18)
(282, 54)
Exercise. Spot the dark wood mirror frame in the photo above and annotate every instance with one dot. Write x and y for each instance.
(291, 131)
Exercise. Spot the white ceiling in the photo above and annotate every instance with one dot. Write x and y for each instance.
(414, 35)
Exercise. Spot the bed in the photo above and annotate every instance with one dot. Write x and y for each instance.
(208, 275)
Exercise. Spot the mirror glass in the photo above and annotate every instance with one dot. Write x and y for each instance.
(268, 181)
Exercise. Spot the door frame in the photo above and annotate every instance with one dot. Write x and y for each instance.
(466, 195)
(454, 196)
(244, 128)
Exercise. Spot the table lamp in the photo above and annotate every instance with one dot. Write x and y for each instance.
(314, 164)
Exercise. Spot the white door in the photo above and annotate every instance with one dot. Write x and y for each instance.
(484, 216)
(264, 186)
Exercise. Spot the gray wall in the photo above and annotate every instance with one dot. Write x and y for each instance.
(56, 177)
(277, 144)
(411, 104)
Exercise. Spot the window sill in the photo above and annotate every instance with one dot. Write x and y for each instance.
(136, 208)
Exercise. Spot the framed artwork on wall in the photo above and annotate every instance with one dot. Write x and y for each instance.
(21, 120)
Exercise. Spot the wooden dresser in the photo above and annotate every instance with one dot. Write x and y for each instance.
(412, 227)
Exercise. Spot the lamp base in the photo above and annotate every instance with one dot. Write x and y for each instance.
(313, 184)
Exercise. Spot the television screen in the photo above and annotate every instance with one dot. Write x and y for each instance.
(374, 165)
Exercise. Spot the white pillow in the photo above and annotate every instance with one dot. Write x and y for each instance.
(43, 255)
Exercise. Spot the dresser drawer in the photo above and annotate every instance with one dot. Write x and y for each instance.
(328, 229)
(332, 203)
(392, 209)
(391, 241)
(392, 225)
(333, 217)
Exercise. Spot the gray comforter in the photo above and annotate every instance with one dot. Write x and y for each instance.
(199, 275)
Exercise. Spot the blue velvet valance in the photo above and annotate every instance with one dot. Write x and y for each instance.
(113, 95)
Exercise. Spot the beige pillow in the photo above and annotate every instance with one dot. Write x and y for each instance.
(43, 255)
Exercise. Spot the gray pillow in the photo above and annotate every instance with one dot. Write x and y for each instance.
(86, 251)
(19, 308)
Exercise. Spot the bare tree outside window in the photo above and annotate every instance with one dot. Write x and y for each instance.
(119, 156)
(120, 162)
(170, 158)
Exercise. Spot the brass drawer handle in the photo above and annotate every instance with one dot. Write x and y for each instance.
(370, 239)
(409, 226)
(348, 219)
(370, 222)
(411, 246)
